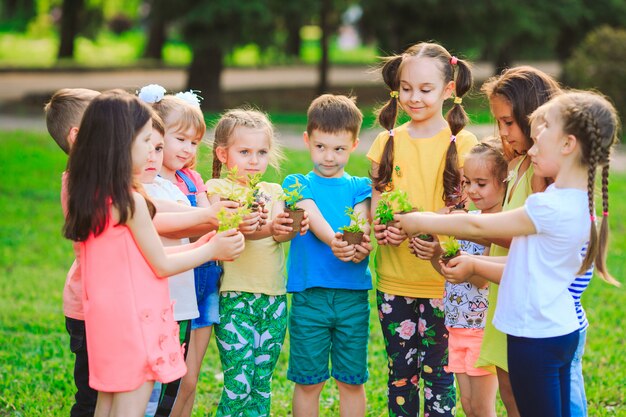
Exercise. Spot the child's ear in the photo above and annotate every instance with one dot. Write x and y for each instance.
(355, 143)
(71, 137)
(449, 89)
(569, 144)
(305, 137)
(222, 154)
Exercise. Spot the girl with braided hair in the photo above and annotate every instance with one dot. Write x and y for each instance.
(423, 157)
(536, 310)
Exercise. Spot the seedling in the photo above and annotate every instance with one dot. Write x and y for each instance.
(451, 249)
(457, 199)
(231, 219)
(353, 233)
(292, 195)
(253, 195)
(396, 201)
(233, 191)
(425, 236)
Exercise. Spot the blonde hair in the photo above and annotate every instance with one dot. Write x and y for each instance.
(251, 119)
(180, 115)
(593, 121)
(65, 111)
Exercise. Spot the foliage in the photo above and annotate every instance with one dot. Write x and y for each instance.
(36, 362)
(356, 222)
(457, 199)
(599, 63)
(253, 183)
(232, 190)
(231, 219)
(451, 247)
(390, 202)
(292, 195)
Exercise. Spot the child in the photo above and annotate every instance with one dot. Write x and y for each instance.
(64, 112)
(253, 301)
(423, 157)
(536, 310)
(513, 96)
(131, 334)
(184, 129)
(466, 304)
(329, 307)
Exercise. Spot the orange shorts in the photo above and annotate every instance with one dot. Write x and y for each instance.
(463, 351)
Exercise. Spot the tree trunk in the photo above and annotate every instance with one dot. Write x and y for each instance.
(502, 60)
(294, 42)
(69, 27)
(156, 37)
(204, 74)
(325, 11)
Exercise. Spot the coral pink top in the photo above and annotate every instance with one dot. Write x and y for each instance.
(131, 333)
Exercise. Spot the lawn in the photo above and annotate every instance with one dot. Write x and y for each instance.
(35, 360)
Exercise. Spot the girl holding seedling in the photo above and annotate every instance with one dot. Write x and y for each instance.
(253, 301)
(535, 310)
(466, 303)
(131, 333)
(424, 158)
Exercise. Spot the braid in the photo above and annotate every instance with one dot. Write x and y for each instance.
(387, 116)
(592, 249)
(600, 260)
(217, 165)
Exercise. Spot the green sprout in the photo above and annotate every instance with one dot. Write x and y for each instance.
(232, 190)
(396, 201)
(231, 219)
(255, 191)
(292, 195)
(451, 247)
(356, 222)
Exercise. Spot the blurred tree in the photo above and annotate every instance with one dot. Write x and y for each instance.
(15, 14)
(70, 12)
(329, 12)
(213, 28)
(161, 12)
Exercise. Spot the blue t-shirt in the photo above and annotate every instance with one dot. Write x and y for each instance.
(311, 262)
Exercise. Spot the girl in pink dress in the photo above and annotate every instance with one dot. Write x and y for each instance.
(132, 338)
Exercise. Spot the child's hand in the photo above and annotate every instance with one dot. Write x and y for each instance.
(264, 212)
(379, 232)
(217, 206)
(395, 235)
(227, 245)
(341, 249)
(424, 249)
(281, 225)
(204, 239)
(250, 223)
(362, 249)
(459, 269)
(304, 226)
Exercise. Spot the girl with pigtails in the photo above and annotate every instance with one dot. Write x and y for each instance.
(423, 157)
(573, 136)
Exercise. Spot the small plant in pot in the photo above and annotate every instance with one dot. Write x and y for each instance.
(353, 234)
(426, 237)
(254, 197)
(292, 195)
(233, 191)
(451, 249)
(231, 219)
(391, 202)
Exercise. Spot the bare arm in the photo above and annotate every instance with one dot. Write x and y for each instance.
(318, 225)
(506, 224)
(189, 222)
(226, 245)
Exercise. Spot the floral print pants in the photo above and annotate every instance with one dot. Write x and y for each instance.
(416, 341)
(249, 337)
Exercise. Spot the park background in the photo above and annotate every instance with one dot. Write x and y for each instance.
(277, 56)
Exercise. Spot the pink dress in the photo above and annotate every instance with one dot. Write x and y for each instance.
(131, 333)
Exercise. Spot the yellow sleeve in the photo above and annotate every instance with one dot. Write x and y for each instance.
(213, 185)
(376, 150)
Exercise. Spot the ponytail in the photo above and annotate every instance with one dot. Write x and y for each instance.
(387, 116)
(217, 164)
(457, 120)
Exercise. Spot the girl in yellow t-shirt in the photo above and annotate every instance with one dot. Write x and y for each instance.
(253, 301)
(423, 157)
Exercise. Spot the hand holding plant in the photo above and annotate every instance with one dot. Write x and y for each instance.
(353, 233)
(292, 195)
(451, 248)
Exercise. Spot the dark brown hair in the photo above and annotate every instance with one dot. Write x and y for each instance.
(456, 116)
(100, 163)
(525, 88)
(251, 119)
(64, 111)
(593, 120)
(331, 113)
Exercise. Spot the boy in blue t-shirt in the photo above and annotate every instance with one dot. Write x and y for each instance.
(329, 279)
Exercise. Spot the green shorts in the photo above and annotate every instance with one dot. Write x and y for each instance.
(328, 323)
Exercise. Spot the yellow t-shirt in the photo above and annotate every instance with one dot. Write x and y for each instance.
(418, 169)
(261, 266)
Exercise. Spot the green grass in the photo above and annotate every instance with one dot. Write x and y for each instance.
(35, 360)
